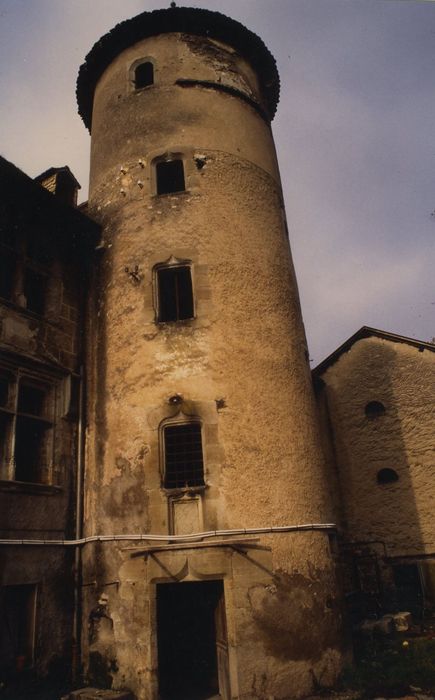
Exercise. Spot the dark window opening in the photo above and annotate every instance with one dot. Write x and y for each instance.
(374, 409)
(6, 421)
(31, 450)
(35, 290)
(31, 399)
(8, 237)
(17, 627)
(409, 589)
(175, 294)
(26, 429)
(192, 642)
(387, 476)
(170, 176)
(184, 464)
(39, 251)
(4, 391)
(144, 75)
(24, 278)
(8, 263)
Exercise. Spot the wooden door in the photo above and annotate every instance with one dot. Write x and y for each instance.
(222, 649)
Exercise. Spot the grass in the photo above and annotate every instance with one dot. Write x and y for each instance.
(388, 668)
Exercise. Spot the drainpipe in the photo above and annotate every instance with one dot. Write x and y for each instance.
(77, 627)
(78, 575)
(194, 538)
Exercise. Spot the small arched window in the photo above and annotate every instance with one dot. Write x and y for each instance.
(183, 455)
(144, 75)
(387, 476)
(374, 409)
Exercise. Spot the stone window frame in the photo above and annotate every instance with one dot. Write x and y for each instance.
(169, 156)
(175, 151)
(51, 384)
(18, 248)
(132, 74)
(205, 311)
(172, 261)
(180, 419)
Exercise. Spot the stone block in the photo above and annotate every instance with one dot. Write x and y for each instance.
(98, 694)
(402, 621)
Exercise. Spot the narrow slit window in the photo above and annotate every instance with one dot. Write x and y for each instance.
(175, 294)
(144, 75)
(170, 176)
(184, 465)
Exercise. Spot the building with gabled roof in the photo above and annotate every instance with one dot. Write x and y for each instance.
(375, 398)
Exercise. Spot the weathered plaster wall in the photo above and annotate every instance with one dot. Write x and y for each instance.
(240, 365)
(45, 347)
(137, 123)
(402, 378)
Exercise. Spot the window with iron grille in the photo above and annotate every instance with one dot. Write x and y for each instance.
(175, 294)
(184, 464)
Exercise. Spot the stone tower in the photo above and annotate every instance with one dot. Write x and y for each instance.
(201, 416)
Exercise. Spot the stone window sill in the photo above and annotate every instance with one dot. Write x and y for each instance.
(186, 491)
(27, 487)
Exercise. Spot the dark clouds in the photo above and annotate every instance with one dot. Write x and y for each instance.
(354, 133)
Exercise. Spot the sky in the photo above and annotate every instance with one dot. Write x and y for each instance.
(354, 133)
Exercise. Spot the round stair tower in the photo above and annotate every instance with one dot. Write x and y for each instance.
(201, 415)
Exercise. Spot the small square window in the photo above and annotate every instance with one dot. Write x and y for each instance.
(170, 176)
(175, 294)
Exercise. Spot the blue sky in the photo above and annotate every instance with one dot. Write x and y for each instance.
(354, 133)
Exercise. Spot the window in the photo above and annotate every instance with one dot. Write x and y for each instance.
(387, 476)
(26, 427)
(374, 409)
(174, 293)
(35, 290)
(144, 75)
(8, 264)
(170, 176)
(23, 272)
(17, 626)
(184, 466)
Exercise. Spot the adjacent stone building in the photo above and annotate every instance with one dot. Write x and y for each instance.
(375, 396)
(178, 515)
(44, 246)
